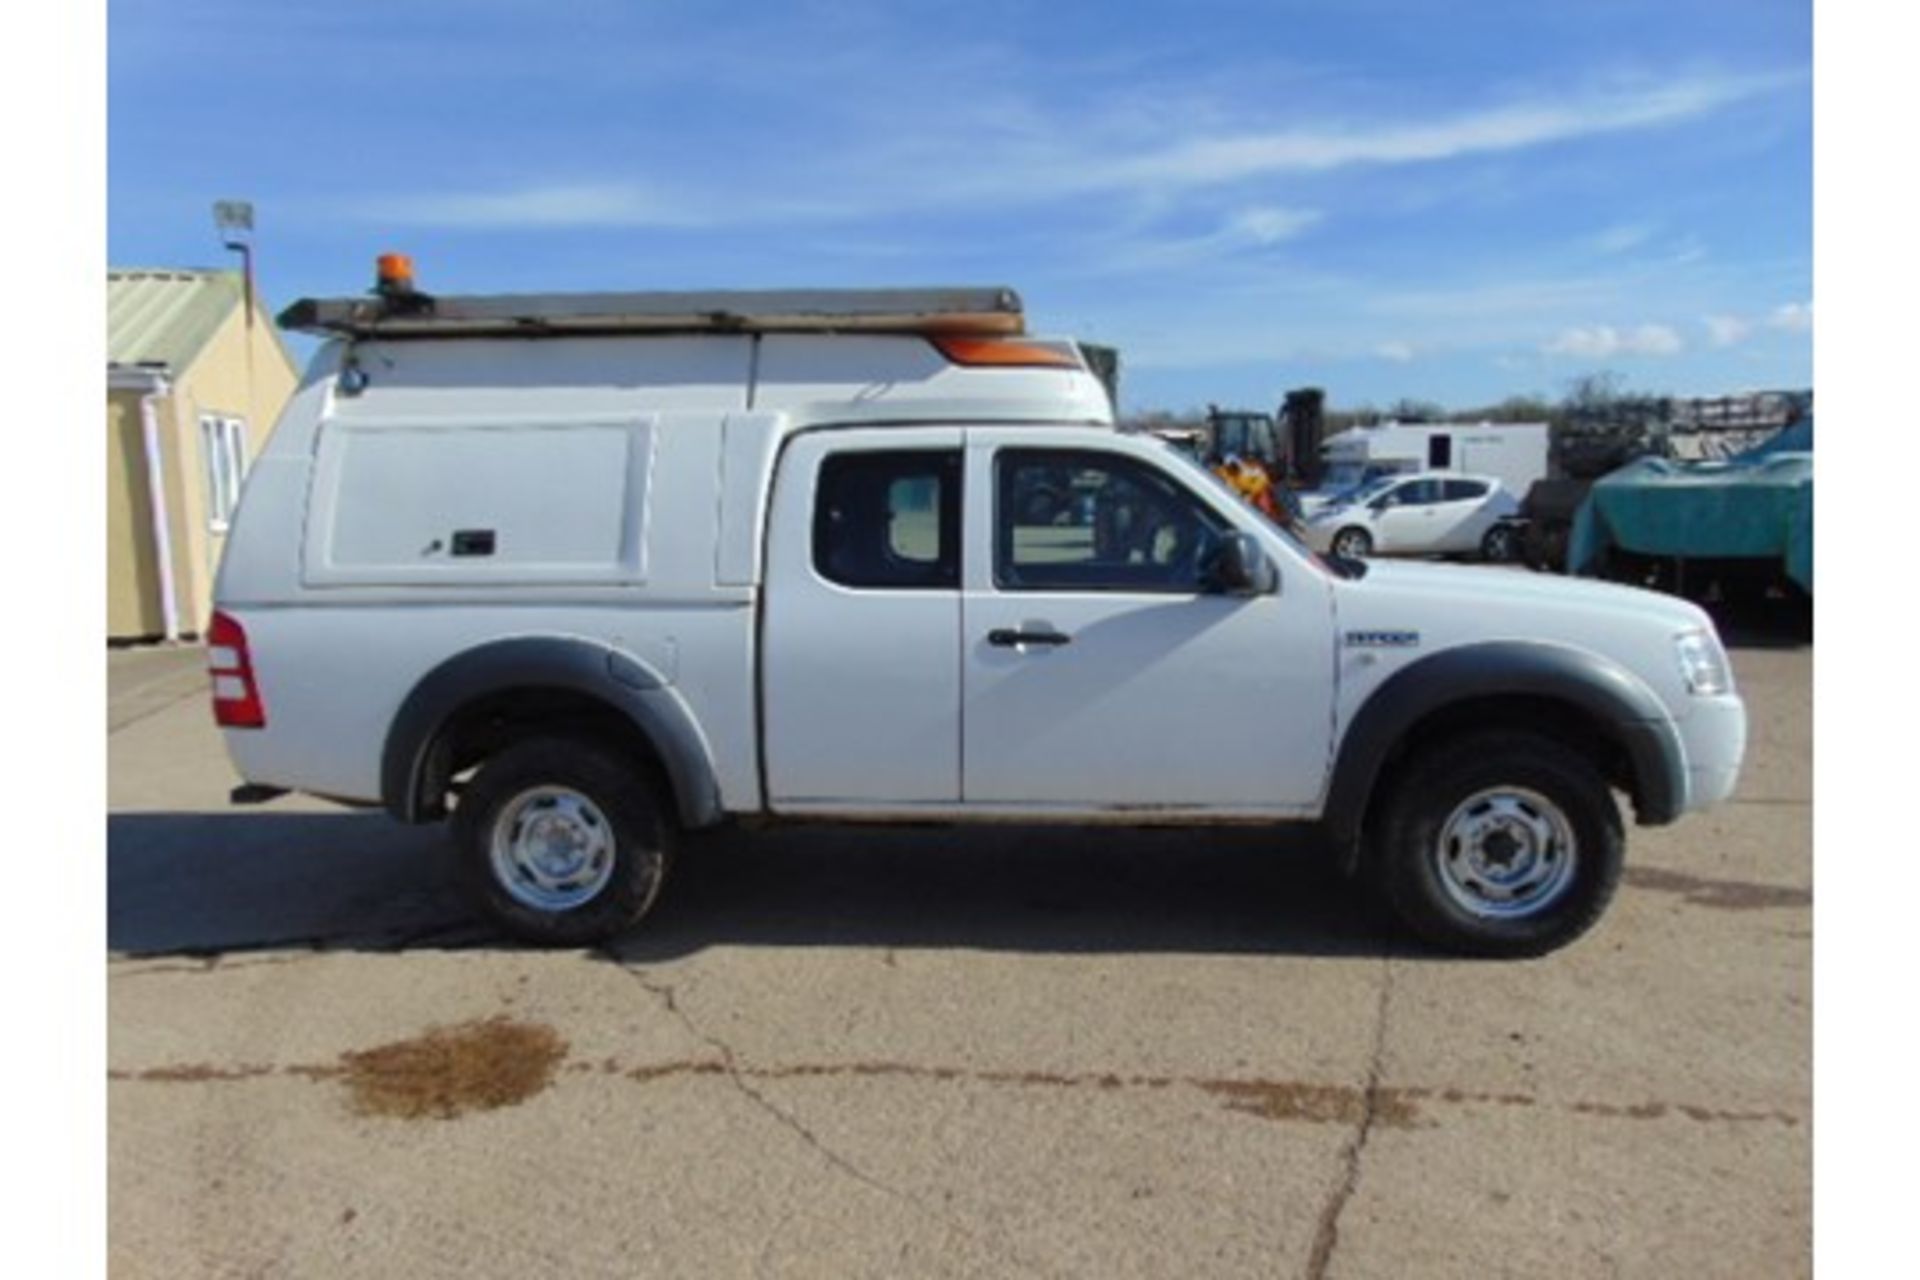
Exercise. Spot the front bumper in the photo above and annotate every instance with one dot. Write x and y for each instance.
(1318, 537)
(1715, 738)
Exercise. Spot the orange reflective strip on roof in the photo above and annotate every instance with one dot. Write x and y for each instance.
(964, 350)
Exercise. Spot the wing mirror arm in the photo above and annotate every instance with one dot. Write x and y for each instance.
(1239, 567)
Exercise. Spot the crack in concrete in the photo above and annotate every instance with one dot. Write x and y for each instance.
(1326, 1235)
(763, 1264)
(453, 935)
(128, 719)
(1288, 1101)
(730, 1067)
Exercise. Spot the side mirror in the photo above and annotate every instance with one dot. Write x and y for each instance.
(1238, 567)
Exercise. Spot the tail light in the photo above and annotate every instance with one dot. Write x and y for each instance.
(236, 694)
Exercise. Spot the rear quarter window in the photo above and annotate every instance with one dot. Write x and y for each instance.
(888, 519)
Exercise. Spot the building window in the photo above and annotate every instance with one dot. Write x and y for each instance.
(223, 443)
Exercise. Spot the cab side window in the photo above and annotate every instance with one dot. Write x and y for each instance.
(888, 519)
(1081, 520)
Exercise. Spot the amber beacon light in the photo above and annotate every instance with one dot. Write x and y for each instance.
(393, 273)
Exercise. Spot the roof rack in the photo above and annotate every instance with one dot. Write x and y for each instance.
(985, 311)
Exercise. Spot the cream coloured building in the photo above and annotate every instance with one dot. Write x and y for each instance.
(195, 381)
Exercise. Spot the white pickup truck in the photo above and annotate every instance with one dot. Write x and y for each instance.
(588, 571)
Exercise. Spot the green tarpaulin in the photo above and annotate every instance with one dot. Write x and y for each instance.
(1756, 506)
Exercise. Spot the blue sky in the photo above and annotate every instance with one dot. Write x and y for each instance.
(1453, 202)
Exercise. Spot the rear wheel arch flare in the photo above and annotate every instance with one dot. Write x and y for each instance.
(544, 681)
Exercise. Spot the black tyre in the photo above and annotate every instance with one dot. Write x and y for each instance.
(1498, 844)
(1352, 543)
(563, 842)
(1500, 544)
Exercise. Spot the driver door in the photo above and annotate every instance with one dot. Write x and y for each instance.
(1405, 518)
(1099, 672)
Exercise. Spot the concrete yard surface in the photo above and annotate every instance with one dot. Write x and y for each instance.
(1007, 1051)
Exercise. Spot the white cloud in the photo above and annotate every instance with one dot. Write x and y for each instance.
(588, 204)
(605, 204)
(1527, 124)
(1033, 157)
(1270, 226)
(1398, 352)
(1246, 231)
(1599, 342)
(1499, 299)
(1727, 331)
(1795, 317)
(1622, 238)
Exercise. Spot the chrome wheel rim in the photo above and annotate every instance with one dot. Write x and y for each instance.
(1505, 853)
(1351, 546)
(552, 849)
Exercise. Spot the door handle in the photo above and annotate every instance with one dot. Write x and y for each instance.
(473, 542)
(1008, 638)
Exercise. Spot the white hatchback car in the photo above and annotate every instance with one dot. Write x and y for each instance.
(1417, 514)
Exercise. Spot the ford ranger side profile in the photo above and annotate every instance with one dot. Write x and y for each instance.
(585, 572)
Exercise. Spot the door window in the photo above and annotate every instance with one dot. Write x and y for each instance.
(1462, 490)
(1414, 493)
(1081, 520)
(888, 519)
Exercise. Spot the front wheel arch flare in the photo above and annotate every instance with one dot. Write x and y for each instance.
(1597, 689)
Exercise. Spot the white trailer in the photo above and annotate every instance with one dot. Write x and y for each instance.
(1513, 452)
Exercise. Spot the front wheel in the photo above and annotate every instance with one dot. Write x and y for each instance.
(1499, 844)
(1352, 543)
(563, 842)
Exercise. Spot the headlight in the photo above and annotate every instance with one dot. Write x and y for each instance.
(1703, 663)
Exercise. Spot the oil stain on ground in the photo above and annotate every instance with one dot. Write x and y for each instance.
(1725, 895)
(497, 1062)
(1316, 1103)
(449, 1071)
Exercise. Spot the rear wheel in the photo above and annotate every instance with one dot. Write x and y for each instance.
(1352, 543)
(563, 842)
(1499, 545)
(1499, 844)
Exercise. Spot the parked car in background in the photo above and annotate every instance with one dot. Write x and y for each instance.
(1314, 501)
(1421, 514)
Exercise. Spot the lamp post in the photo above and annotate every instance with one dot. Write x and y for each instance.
(234, 221)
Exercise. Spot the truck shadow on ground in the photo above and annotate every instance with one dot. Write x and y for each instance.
(211, 884)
